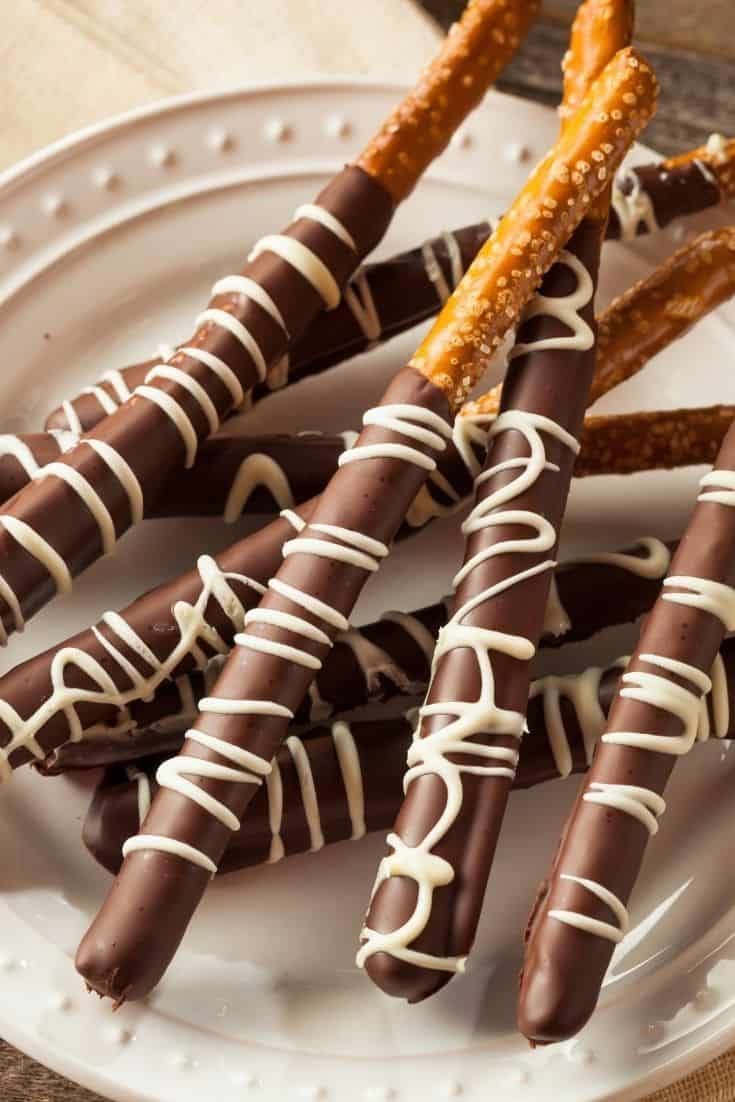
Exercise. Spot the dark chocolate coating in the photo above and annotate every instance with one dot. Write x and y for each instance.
(594, 596)
(381, 744)
(554, 383)
(674, 193)
(403, 294)
(564, 967)
(145, 436)
(119, 956)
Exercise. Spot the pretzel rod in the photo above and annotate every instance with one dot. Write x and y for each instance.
(661, 439)
(653, 313)
(387, 658)
(653, 720)
(77, 507)
(288, 636)
(383, 300)
(357, 771)
(428, 894)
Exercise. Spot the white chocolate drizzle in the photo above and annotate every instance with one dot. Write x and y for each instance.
(614, 932)
(254, 471)
(634, 208)
(565, 309)
(359, 298)
(192, 626)
(413, 422)
(435, 753)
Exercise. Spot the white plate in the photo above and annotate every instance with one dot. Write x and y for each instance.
(108, 242)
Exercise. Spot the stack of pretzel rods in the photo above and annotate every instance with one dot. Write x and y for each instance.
(344, 780)
(581, 914)
(261, 474)
(287, 637)
(390, 296)
(378, 661)
(428, 895)
(77, 507)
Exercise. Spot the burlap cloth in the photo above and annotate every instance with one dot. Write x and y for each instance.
(67, 63)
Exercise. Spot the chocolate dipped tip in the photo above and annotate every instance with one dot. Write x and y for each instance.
(546, 1014)
(402, 980)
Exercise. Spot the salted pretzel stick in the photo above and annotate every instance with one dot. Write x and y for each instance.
(287, 638)
(382, 300)
(657, 440)
(653, 313)
(428, 894)
(653, 721)
(357, 770)
(80, 505)
(379, 661)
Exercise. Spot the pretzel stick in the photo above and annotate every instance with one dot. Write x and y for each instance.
(326, 567)
(653, 313)
(384, 659)
(80, 505)
(381, 301)
(357, 771)
(653, 720)
(429, 890)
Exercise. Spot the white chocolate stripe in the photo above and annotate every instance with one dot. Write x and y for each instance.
(172, 846)
(591, 925)
(243, 285)
(108, 403)
(705, 595)
(305, 262)
(72, 418)
(413, 422)
(633, 208)
(224, 373)
(434, 272)
(718, 487)
(176, 414)
(11, 444)
(660, 692)
(40, 549)
(116, 379)
(309, 798)
(123, 472)
(359, 298)
(190, 384)
(257, 470)
(214, 316)
(642, 804)
(315, 213)
(348, 757)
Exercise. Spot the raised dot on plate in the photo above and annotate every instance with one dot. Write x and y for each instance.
(58, 1001)
(313, 1092)
(221, 141)
(462, 139)
(337, 126)
(54, 205)
(451, 1089)
(517, 1075)
(517, 153)
(379, 1094)
(162, 156)
(116, 1035)
(7, 963)
(277, 130)
(579, 1054)
(244, 1079)
(8, 238)
(104, 178)
(183, 1062)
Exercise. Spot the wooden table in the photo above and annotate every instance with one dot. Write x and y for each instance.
(692, 45)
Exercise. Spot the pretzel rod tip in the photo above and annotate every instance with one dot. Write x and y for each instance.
(559, 193)
(474, 52)
(600, 29)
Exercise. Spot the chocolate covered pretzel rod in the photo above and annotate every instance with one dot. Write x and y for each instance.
(428, 894)
(653, 721)
(79, 505)
(378, 661)
(653, 313)
(288, 636)
(344, 780)
(381, 301)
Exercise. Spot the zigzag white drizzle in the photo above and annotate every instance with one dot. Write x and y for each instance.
(430, 754)
(193, 631)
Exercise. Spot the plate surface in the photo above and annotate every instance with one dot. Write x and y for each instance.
(108, 243)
